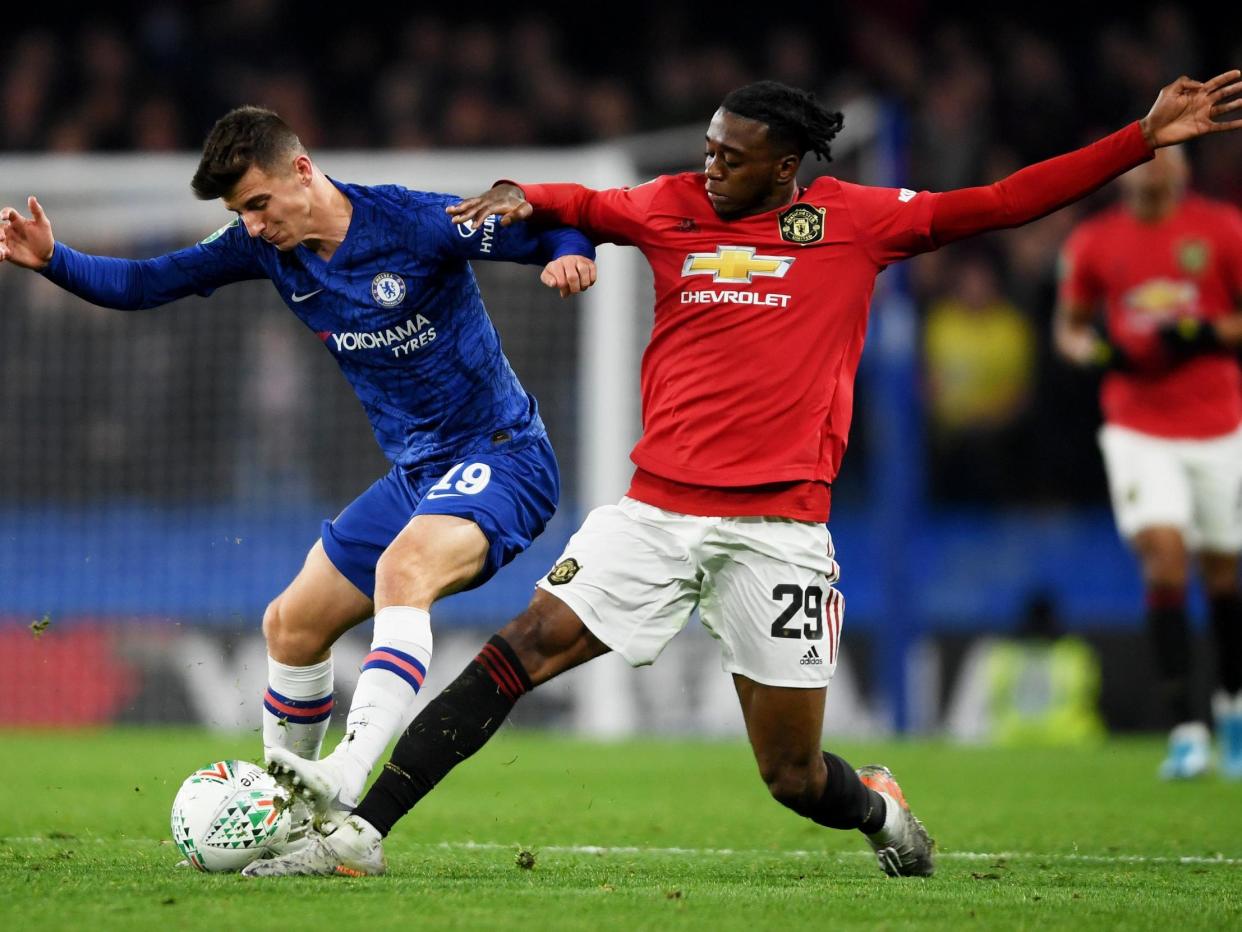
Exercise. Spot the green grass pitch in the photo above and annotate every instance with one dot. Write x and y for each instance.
(639, 835)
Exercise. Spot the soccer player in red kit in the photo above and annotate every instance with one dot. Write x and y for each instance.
(1165, 268)
(762, 290)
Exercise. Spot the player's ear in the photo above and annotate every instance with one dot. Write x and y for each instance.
(787, 168)
(303, 168)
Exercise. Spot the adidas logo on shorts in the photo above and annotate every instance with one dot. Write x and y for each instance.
(811, 657)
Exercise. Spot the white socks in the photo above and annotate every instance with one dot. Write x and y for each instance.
(297, 706)
(391, 676)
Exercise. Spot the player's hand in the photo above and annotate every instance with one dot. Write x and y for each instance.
(1187, 109)
(26, 242)
(507, 200)
(569, 274)
(1189, 336)
(1089, 349)
(1109, 357)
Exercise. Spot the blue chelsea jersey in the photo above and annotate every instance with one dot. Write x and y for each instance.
(397, 305)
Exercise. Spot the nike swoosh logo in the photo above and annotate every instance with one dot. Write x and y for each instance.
(299, 298)
(443, 494)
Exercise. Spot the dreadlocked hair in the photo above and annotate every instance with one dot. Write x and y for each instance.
(793, 116)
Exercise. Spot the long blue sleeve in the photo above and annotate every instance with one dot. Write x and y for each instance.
(132, 284)
(518, 242)
(565, 241)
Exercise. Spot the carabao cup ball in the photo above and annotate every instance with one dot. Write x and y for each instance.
(229, 813)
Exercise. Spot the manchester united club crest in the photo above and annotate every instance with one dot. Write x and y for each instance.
(564, 571)
(802, 224)
(1192, 256)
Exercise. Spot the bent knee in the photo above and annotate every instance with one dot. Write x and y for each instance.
(291, 640)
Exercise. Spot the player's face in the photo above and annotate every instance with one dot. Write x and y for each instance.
(746, 174)
(275, 205)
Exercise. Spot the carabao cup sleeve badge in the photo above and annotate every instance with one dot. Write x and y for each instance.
(802, 224)
(564, 571)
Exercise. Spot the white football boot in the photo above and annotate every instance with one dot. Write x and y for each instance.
(902, 847)
(354, 849)
(321, 784)
(1190, 752)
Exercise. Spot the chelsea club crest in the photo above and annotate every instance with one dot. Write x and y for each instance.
(388, 289)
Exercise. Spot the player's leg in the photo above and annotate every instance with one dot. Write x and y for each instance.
(433, 556)
(537, 645)
(467, 522)
(1165, 567)
(1216, 478)
(785, 728)
(768, 597)
(300, 626)
(1153, 506)
(331, 594)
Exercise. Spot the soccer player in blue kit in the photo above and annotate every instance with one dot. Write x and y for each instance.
(382, 276)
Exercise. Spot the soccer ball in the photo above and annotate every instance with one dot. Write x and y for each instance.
(230, 813)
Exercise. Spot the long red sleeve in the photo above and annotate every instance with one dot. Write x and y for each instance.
(562, 202)
(1038, 189)
(614, 215)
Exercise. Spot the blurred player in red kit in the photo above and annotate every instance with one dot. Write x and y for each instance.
(1164, 268)
(762, 290)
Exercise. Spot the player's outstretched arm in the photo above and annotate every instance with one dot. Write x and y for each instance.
(504, 199)
(1183, 110)
(26, 242)
(125, 284)
(1188, 109)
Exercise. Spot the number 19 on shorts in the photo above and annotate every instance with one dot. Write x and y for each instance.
(462, 479)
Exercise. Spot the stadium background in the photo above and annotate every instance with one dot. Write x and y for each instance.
(163, 473)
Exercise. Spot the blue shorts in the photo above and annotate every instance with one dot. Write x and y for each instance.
(509, 494)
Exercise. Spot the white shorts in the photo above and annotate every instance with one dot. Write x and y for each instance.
(763, 586)
(1192, 485)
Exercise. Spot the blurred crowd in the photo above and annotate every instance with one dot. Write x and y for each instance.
(986, 93)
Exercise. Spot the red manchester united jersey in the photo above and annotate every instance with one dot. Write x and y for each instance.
(748, 382)
(1144, 275)
(759, 322)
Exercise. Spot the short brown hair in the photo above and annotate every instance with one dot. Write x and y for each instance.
(241, 138)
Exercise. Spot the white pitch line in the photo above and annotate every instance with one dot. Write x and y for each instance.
(726, 852)
(797, 853)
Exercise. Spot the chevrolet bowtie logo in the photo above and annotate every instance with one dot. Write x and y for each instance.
(735, 264)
